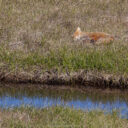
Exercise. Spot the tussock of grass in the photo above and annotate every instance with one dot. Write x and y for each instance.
(59, 117)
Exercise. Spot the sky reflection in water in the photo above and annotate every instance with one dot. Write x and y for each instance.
(85, 101)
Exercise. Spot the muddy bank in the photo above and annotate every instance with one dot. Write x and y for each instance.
(83, 78)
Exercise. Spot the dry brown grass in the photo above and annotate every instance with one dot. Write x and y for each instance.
(49, 24)
(62, 117)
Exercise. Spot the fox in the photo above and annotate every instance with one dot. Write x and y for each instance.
(92, 37)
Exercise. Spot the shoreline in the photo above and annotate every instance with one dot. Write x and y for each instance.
(83, 78)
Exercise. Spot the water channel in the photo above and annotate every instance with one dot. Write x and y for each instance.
(40, 97)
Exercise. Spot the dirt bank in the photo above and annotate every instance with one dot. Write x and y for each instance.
(84, 78)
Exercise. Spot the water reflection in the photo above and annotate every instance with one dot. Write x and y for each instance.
(38, 97)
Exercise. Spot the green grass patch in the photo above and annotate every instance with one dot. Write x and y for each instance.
(109, 60)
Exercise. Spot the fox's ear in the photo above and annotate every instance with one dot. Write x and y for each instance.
(78, 29)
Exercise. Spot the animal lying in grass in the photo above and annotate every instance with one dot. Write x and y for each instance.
(92, 37)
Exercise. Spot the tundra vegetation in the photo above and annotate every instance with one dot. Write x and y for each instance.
(37, 35)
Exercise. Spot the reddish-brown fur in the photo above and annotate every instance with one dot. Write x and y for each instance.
(97, 35)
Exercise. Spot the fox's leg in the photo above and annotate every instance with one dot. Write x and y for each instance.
(92, 41)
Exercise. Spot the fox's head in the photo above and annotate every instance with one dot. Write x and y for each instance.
(77, 34)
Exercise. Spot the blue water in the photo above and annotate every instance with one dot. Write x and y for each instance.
(78, 100)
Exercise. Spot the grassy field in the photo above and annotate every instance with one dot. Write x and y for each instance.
(37, 34)
(58, 117)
